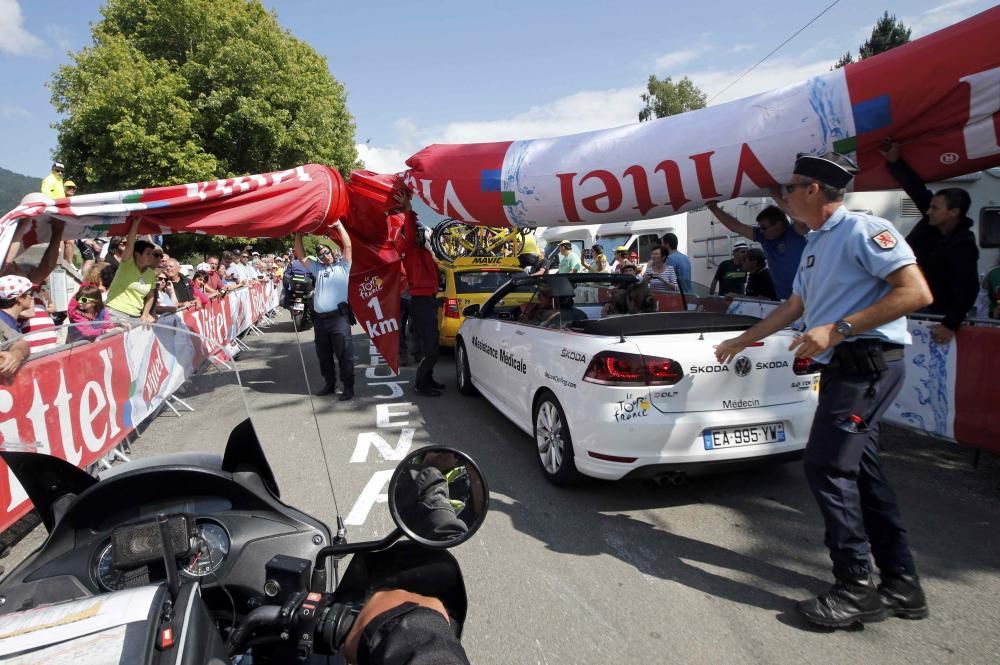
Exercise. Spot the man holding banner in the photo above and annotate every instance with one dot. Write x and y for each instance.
(331, 313)
(855, 285)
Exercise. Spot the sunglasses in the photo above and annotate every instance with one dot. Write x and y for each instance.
(324, 252)
(161, 279)
(84, 301)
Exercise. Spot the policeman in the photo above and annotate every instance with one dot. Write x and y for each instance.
(331, 313)
(855, 284)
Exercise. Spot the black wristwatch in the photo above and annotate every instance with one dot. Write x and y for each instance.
(844, 327)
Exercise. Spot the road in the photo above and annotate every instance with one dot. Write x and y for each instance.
(614, 572)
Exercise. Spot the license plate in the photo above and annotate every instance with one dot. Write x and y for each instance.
(298, 307)
(749, 435)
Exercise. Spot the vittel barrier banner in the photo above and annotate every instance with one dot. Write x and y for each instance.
(80, 410)
(938, 95)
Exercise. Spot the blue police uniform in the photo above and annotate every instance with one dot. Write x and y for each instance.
(842, 271)
(332, 325)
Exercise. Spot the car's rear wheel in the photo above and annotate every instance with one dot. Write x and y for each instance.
(552, 438)
(463, 377)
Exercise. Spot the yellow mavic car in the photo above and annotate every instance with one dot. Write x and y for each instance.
(471, 280)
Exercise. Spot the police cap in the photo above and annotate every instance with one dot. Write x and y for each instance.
(831, 169)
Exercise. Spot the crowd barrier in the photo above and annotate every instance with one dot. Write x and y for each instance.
(83, 411)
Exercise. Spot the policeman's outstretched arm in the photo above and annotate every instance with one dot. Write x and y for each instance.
(908, 294)
(779, 319)
(300, 252)
(345, 241)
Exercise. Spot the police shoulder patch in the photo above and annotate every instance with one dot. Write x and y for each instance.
(885, 240)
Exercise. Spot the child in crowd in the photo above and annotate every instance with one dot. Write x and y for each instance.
(89, 317)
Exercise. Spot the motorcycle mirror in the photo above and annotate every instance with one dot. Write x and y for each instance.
(438, 496)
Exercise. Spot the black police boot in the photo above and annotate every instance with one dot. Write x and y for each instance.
(347, 394)
(849, 601)
(903, 597)
(328, 389)
(434, 384)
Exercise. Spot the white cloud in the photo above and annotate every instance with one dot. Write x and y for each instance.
(383, 160)
(8, 110)
(16, 40)
(775, 73)
(670, 60)
(941, 16)
(59, 35)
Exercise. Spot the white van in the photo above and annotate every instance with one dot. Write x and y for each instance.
(640, 236)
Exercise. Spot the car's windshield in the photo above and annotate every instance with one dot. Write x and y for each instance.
(483, 281)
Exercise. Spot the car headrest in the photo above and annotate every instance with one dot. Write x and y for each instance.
(559, 286)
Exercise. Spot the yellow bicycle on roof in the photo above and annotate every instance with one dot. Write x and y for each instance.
(453, 238)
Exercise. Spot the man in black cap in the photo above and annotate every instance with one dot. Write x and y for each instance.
(855, 285)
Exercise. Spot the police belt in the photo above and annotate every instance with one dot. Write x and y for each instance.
(327, 315)
(865, 356)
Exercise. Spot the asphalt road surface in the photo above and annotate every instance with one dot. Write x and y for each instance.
(612, 572)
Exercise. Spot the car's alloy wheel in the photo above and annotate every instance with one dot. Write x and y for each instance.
(463, 376)
(555, 447)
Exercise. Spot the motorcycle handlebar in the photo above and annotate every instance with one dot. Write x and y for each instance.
(329, 629)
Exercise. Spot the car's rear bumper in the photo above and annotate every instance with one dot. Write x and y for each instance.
(663, 443)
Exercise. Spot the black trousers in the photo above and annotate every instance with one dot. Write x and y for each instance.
(404, 321)
(423, 312)
(333, 342)
(844, 472)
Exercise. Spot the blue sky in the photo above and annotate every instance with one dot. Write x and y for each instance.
(480, 71)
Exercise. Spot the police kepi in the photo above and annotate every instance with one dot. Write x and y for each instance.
(855, 284)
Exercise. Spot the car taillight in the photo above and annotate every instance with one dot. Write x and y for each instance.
(451, 309)
(631, 369)
(804, 366)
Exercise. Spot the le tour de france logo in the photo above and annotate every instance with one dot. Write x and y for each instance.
(371, 286)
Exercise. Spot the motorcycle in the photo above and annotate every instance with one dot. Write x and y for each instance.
(300, 295)
(193, 557)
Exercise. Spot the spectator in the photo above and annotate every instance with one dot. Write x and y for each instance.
(15, 299)
(181, 285)
(600, 262)
(231, 272)
(568, 260)
(781, 241)
(678, 260)
(93, 276)
(943, 243)
(39, 328)
(621, 258)
(166, 297)
(131, 293)
(116, 249)
(731, 276)
(759, 283)
(90, 316)
(660, 277)
(991, 282)
(52, 185)
(199, 285)
(215, 284)
(164, 259)
(534, 264)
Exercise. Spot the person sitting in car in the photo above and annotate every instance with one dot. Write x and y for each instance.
(539, 308)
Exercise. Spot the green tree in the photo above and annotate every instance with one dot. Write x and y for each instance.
(176, 91)
(888, 33)
(663, 97)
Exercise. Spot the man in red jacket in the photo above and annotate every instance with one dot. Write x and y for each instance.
(422, 274)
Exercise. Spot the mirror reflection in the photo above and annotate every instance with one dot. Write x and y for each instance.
(438, 496)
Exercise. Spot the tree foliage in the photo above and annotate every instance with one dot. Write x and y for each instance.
(663, 97)
(176, 91)
(888, 33)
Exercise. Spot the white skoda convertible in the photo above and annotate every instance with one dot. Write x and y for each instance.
(614, 395)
